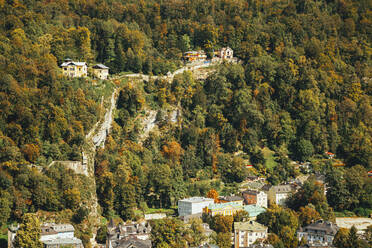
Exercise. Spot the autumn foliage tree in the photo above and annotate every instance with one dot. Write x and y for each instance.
(213, 194)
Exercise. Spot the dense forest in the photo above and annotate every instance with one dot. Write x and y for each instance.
(303, 87)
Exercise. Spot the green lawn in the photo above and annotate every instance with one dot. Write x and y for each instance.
(269, 157)
(156, 210)
(344, 214)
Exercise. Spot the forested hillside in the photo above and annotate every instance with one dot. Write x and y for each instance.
(303, 87)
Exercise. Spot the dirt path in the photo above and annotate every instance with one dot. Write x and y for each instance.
(96, 138)
(170, 77)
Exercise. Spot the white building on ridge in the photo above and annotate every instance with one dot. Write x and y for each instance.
(193, 205)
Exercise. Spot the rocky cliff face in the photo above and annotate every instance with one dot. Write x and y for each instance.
(94, 139)
(100, 134)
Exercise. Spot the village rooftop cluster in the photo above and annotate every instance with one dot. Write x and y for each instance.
(246, 234)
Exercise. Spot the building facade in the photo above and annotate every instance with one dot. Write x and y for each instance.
(255, 197)
(318, 233)
(100, 71)
(74, 69)
(228, 208)
(226, 53)
(247, 233)
(280, 193)
(193, 205)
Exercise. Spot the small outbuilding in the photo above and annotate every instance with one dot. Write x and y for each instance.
(100, 71)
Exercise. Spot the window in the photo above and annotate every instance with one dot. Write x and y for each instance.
(65, 68)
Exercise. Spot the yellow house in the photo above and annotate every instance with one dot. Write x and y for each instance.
(228, 208)
(74, 69)
(100, 71)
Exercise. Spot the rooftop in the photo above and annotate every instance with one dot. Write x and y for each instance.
(73, 63)
(231, 198)
(320, 225)
(196, 199)
(100, 66)
(250, 192)
(63, 241)
(253, 210)
(285, 188)
(134, 242)
(266, 187)
(252, 226)
(52, 228)
(224, 205)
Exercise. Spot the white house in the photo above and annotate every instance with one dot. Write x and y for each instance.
(246, 233)
(262, 199)
(59, 235)
(74, 69)
(279, 194)
(255, 197)
(56, 231)
(193, 205)
(319, 232)
(52, 236)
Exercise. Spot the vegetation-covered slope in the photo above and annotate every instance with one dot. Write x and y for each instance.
(303, 88)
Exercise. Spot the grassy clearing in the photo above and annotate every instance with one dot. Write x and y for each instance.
(166, 211)
(269, 158)
(344, 214)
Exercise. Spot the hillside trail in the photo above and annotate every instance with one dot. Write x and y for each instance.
(97, 135)
(170, 76)
(94, 139)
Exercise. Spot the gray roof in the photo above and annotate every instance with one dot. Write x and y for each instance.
(196, 199)
(251, 192)
(51, 228)
(100, 66)
(285, 188)
(187, 218)
(231, 198)
(134, 243)
(63, 241)
(129, 229)
(73, 63)
(320, 225)
(266, 187)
